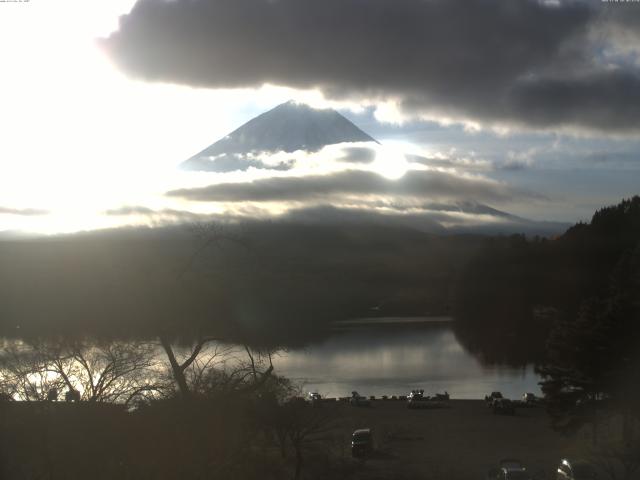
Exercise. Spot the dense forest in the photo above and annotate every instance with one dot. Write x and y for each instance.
(512, 293)
(275, 281)
(572, 305)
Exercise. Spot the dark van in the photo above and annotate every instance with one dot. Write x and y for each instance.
(361, 443)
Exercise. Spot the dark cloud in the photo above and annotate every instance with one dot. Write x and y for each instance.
(431, 161)
(613, 158)
(622, 18)
(415, 184)
(27, 212)
(450, 162)
(605, 100)
(512, 165)
(485, 60)
(358, 155)
(232, 163)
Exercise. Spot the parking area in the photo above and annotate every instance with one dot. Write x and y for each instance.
(464, 440)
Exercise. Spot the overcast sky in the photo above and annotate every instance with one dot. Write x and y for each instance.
(531, 107)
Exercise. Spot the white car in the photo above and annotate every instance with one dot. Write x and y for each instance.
(577, 470)
(509, 469)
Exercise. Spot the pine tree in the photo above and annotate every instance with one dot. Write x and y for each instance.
(593, 359)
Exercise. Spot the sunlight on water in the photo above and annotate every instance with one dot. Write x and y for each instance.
(385, 361)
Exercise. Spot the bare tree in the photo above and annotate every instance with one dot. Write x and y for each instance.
(303, 426)
(202, 360)
(113, 372)
(210, 366)
(179, 368)
(24, 373)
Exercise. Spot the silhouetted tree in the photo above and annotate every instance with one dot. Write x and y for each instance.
(212, 368)
(178, 368)
(593, 359)
(107, 371)
(295, 425)
(114, 372)
(25, 373)
(210, 236)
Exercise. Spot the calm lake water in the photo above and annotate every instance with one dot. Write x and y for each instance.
(377, 359)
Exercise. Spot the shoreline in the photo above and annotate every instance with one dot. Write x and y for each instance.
(399, 321)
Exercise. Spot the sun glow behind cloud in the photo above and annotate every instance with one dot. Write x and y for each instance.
(78, 136)
(81, 139)
(391, 162)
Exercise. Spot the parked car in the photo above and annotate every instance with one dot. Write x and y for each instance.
(417, 394)
(530, 400)
(509, 469)
(358, 400)
(417, 399)
(503, 406)
(315, 398)
(577, 470)
(492, 397)
(361, 443)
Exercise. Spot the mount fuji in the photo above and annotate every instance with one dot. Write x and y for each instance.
(286, 128)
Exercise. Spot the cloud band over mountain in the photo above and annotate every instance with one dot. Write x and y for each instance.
(414, 185)
(529, 63)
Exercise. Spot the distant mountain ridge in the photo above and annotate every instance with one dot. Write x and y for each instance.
(441, 220)
(286, 128)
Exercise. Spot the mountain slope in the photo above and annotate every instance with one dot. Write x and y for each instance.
(286, 128)
(439, 220)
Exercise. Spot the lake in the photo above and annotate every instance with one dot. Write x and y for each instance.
(393, 356)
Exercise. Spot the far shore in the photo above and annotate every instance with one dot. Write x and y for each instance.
(366, 321)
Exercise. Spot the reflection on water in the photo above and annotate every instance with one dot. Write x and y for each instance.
(378, 361)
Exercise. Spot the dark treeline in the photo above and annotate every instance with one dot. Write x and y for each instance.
(572, 305)
(272, 282)
(222, 434)
(515, 290)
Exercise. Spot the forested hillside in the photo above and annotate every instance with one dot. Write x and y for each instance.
(515, 290)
